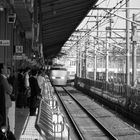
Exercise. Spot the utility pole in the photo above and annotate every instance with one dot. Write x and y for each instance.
(95, 61)
(108, 35)
(77, 59)
(85, 54)
(35, 28)
(85, 59)
(134, 54)
(127, 45)
(107, 57)
(80, 59)
(77, 64)
(95, 47)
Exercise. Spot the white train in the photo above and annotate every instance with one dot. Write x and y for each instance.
(58, 76)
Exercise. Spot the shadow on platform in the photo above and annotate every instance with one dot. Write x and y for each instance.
(21, 115)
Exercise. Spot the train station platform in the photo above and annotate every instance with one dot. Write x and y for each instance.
(21, 115)
(48, 123)
(24, 125)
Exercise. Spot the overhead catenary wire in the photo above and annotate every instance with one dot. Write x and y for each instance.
(111, 38)
(100, 21)
(135, 22)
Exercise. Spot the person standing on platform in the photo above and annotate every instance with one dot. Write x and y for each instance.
(26, 74)
(7, 89)
(40, 79)
(27, 87)
(11, 80)
(2, 106)
(35, 92)
(21, 89)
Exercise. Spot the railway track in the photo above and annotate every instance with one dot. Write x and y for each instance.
(91, 121)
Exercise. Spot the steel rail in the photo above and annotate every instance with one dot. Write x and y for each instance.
(80, 135)
(109, 134)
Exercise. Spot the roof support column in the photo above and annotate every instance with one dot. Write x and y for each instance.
(35, 27)
(40, 34)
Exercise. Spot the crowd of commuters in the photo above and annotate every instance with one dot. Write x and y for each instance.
(23, 86)
(30, 84)
(6, 90)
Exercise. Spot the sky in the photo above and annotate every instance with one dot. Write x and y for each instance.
(112, 3)
(117, 22)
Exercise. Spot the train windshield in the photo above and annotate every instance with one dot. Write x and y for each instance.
(59, 69)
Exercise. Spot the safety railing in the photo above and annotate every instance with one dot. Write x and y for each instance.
(123, 94)
(44, 121)
(50, 122)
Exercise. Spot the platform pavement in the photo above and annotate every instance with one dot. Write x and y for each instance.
(24, 126)
(21, 115)
(29, 131)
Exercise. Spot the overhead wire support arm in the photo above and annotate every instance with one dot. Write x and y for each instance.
(108, 8)
(137, 23)
(98, 38)
(100, 22)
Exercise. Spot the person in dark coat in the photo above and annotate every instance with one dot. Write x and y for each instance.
(2, 107)
(20, 102)
(7, 89)
(35, 92)
(11, 81)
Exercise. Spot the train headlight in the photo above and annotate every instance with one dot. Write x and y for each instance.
(53, 77)
(62, 77)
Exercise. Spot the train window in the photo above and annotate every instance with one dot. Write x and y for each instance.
(72, 63)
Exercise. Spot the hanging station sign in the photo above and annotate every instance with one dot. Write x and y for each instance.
(19, 49)
(4, 42)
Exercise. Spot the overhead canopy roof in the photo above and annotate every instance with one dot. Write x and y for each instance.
(59, 19)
